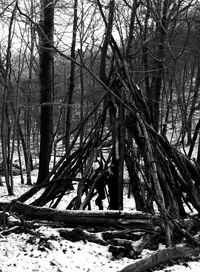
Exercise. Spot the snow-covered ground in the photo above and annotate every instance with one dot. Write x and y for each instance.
(25, 253)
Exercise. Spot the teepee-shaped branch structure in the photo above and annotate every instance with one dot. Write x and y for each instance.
(160, 176)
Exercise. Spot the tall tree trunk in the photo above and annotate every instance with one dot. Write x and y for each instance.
(156, 83)
(82, 87)
(5, 117)
(29, 89)
(193, 104)
(72, 79)
(145, 50)
(135, 5)
(46, 92)
(115, 185)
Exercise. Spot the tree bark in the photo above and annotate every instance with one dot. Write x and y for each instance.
(135, 220)
(72, 80)
(160, 257)
(156, 83)
(46, 92)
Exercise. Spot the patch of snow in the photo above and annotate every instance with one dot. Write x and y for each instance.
(18, 253)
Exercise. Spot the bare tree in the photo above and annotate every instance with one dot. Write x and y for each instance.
(5, 120)
(69, 99)
(46, 81)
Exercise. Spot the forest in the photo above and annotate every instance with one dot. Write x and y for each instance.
(102, 98)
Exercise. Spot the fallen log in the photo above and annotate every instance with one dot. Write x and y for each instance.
(160, 257)
(137, 221)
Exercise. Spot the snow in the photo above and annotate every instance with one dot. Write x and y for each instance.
(25, 252)
(58, 255)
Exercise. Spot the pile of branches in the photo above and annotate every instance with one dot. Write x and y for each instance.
(157, 171)
(161, 178)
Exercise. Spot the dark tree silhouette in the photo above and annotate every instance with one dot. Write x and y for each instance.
(46, 81)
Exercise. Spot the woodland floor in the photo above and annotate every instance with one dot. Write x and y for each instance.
(24, 252)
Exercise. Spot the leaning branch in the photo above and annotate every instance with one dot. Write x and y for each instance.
(162, 256)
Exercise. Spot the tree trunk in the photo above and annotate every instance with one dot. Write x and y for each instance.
(156, 83)
(46, 92)
(5, 117)
(72, 80)
(161, 256)
(193, 105)
(27, 111)
(135, 220)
